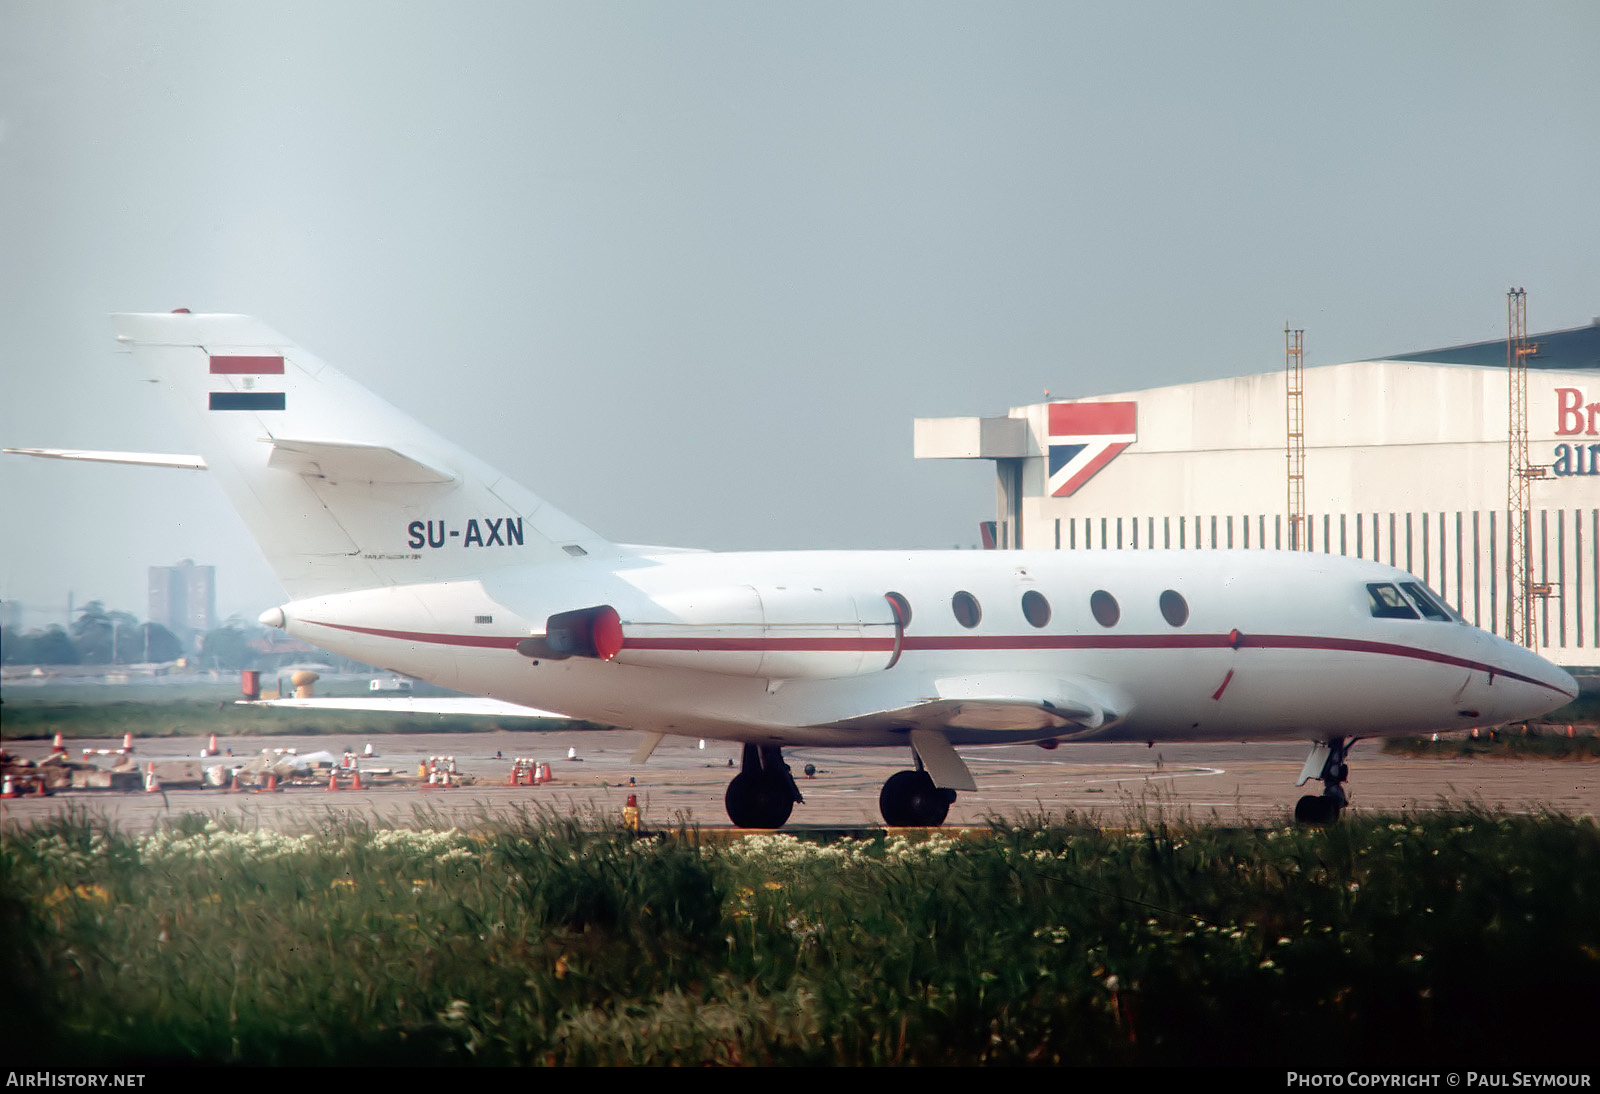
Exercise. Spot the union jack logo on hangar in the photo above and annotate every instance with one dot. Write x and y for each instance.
(1083, 438)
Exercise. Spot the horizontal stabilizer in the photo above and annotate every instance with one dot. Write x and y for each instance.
(493, 708)
(142, 459)
(341, 461)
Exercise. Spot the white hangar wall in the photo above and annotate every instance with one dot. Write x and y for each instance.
(1405, 463)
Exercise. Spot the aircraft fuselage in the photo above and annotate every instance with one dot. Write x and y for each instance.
(802, 647)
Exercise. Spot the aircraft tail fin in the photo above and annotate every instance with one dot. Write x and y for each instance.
(340, 489)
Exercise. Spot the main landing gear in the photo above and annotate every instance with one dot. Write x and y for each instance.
(1326, 762)
(910, 800)
(763, 793)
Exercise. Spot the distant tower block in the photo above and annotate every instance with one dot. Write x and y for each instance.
(183, 598)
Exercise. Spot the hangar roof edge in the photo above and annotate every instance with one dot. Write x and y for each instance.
(1572, 349)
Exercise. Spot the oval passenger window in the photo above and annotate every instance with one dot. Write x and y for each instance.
(965, 606)
(1035, 608)
(1174, 609)
(1104, 607)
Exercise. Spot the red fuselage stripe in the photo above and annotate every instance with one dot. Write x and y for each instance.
(246, 366)
(977, 643)
(487, 641)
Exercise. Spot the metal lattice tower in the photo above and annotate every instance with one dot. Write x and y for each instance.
(1519, 475)
(1294, 367)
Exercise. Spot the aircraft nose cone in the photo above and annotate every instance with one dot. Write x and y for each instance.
(1521, 685)
(1548, 682)
(1567, 683)
(272, 617)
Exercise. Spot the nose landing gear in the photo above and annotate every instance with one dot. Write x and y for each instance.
(1327, 763)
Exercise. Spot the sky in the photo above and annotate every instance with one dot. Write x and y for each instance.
(690, 270)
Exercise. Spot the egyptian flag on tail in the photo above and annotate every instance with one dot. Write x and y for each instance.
(1084, 437)
(246, 382)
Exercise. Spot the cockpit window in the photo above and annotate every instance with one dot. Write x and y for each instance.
(1425, 603)
(1387, 603)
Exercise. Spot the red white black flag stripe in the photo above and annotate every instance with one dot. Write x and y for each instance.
(249, 367)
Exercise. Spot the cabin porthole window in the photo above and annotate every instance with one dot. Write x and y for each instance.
(1174, 609)
(965, 607)
(1104, 608)
(1035, 608)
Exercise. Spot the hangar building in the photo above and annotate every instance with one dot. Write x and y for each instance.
(1405, 462)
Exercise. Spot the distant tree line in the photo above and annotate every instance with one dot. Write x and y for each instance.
(101, 637)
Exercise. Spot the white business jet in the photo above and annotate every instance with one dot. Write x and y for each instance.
(400, 549)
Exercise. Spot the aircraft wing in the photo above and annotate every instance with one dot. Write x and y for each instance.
(1012, 701)
(966, 708)
(405, 704)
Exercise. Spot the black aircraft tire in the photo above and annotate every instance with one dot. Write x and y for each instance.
(1316, 809)
(910, 800)
(753, 801)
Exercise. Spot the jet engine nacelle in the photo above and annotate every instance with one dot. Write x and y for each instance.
(777, 632)
(588, 632)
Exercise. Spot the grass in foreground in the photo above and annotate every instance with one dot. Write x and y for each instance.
(1428, 938)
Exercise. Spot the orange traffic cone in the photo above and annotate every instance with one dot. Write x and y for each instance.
(355, 780)
(272, 781)
(7, 790)
(57, 746)
(39, 790)
(333, 780)
(152, 785)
